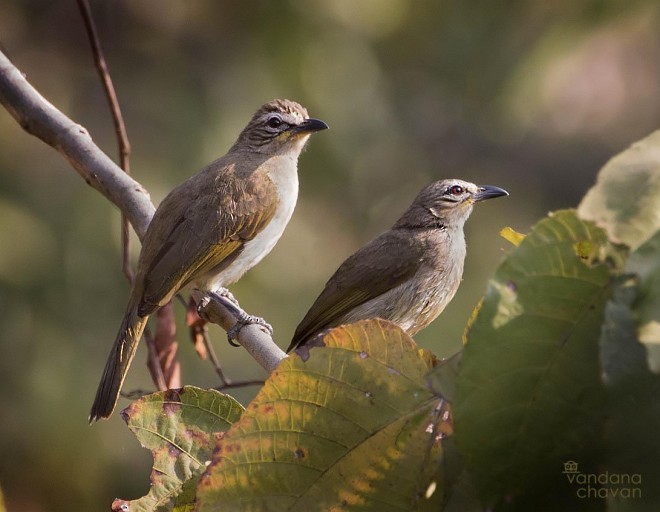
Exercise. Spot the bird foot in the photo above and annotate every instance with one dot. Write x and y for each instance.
(232, 305)
(220, 292)
(243, 320)
(224, 292)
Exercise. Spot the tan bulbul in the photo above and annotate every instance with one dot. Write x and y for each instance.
(409, 273)
(213, 227)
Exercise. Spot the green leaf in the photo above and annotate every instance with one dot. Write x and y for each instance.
(180, 427)
(625, 200)
(621, 354)
(351, 425)
(529, 394)
(645, 263)
(632, 442)
(442, 379)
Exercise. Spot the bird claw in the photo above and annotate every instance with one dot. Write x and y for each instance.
(201, 306)
(243, 320)
(224, 292)
(235, 309)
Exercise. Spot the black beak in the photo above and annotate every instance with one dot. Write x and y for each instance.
(310, 125)
(488, 192)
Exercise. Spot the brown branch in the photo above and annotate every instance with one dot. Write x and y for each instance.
(199, 336)
(153, 362)
(210, 351)
(162, 348)
(240, 384)
(40, 118)
(227, 383)
(118, 120)
(167, 346)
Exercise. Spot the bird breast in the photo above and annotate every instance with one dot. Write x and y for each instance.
(415, 303)
(284, 174)
(436, 284)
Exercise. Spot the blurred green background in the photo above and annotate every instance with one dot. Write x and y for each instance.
(530, 96)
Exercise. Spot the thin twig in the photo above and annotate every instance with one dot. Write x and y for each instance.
(117, 119)
(153, 363)
(138, 393)
(198, 327)
(240, 384)
(214, 359)
(162, 348)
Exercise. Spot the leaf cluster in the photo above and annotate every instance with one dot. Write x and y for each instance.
(552, 405)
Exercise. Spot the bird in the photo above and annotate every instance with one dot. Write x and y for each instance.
(213, 227)
(409, 273)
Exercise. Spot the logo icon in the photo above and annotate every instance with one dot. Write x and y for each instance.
(603, 485)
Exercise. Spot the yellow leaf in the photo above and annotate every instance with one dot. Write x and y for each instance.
(512, 236)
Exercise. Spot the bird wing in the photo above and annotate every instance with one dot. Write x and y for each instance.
(373, 270)
(203, 227)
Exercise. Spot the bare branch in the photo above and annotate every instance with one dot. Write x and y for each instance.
(163, 347)
(153, 363)
(106, 79)
(40, 118)
(227, 383)
(241, 384)
(167, 346)
(118, 120)
(256, 341)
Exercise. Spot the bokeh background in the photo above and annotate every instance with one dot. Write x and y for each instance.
(530, 96)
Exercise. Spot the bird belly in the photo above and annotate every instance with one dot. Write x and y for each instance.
(431, 299)
(286, 181)
(412, 305)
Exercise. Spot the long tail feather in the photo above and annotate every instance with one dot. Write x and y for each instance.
(119, 361)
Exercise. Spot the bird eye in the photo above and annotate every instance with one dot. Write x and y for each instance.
(274, 121)
(456, 190)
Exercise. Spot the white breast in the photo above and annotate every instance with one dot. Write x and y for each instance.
(285, 178)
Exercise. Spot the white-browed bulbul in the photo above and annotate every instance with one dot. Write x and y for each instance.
(409, 273)
(213, 227)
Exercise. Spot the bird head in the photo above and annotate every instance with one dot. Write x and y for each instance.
(448, 203)
(279, 124)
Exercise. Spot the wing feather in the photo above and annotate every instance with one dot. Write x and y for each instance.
(375, 269)
(197, 230)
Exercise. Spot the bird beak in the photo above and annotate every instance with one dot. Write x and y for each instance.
(310, 125)
(488, 192)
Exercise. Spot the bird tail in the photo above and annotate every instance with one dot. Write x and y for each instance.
(119, 360)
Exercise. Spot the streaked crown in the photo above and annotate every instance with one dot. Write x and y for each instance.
(447, 202)
(277, 121)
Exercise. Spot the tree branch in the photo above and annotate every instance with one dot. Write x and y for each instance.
(40, 118)
(259, 344)
(118, 121)
(162, 348)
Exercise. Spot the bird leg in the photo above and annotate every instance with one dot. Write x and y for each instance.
(224, 292)
(243, 320)
(229, 301)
